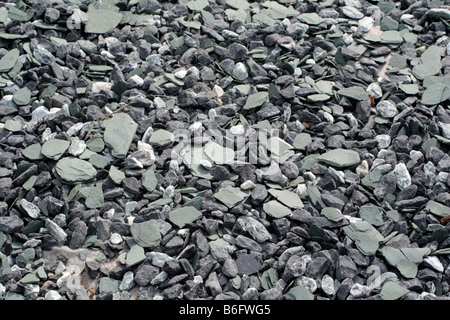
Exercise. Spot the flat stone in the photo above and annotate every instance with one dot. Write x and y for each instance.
(119, 133)
(340, 158)
(146, 234)
(161, 138)
(247, 264)
(183, 215)
(73, 170)
(54, 148)
(276, 210)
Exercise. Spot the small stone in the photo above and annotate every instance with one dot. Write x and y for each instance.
(352, 12)
(386, 109)
(240, 71)
(402, 176)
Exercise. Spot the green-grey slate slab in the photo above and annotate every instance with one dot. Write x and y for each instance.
(183, 215)
(393, 291)
(146, 234)
(119, 134)
(366, 237)
(355, 92)
(102, 21)
(116, 175)
(22, 96)
(73, 170)
(217, 153)
(437, 208)
(99, 161)
(107, 284)
(255, 100)
(332, 214)
(430, 63)
(299, 293)
(371, 214)
(340, 158)
(289, 198)
(396, 258)
(149, 180)
(231, 196)
(33, 152)
(13, 125)
(8, 61)
(276, 210)
(54, 148)
(95, 198)
(161, 138)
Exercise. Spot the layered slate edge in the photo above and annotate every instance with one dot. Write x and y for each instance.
(102, 200)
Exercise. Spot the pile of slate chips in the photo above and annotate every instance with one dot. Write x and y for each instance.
(224, 150)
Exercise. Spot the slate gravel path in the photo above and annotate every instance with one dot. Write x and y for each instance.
(224, 150)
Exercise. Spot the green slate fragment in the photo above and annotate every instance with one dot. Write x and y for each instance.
(393, 291)
(73, 170)
(8, 61)
(107, 284)
(96, 144)
(197, 5)
(208, 19)
(411, 89)
(116, 175)
(183, 215)
(99, 161)
(278, 146)
(28, 185)
(318, 234)
(398, 61)
(217, 153)
(22, 96)
(231, 196)
(276, 210)
(149, 180)
(436, 94)
(146, 234)
(371, 214)
(268, 278)
(13, 125)
(30, 278)
(391, 37)
(161, 138)
(319, 97)
(437, 208)
(119, 134)
(357, 93)
(256, 100)
(310, 18)
(332, 214)
(396, 258)
(54, 148)
(301, 141)
(288, 198)
(102, 21)
(365, 236)
(430, 63)
(340, 158)
(299, 293)
(95, 198)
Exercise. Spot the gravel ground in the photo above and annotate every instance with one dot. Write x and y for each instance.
(224, 150)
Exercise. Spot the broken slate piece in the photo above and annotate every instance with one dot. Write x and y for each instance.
(146, 234)
(288, 198)
(73, 170)
(183, 215)
(340, 158)
(231, 196)
(54, 148)
(276, 210)
(119, 134)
